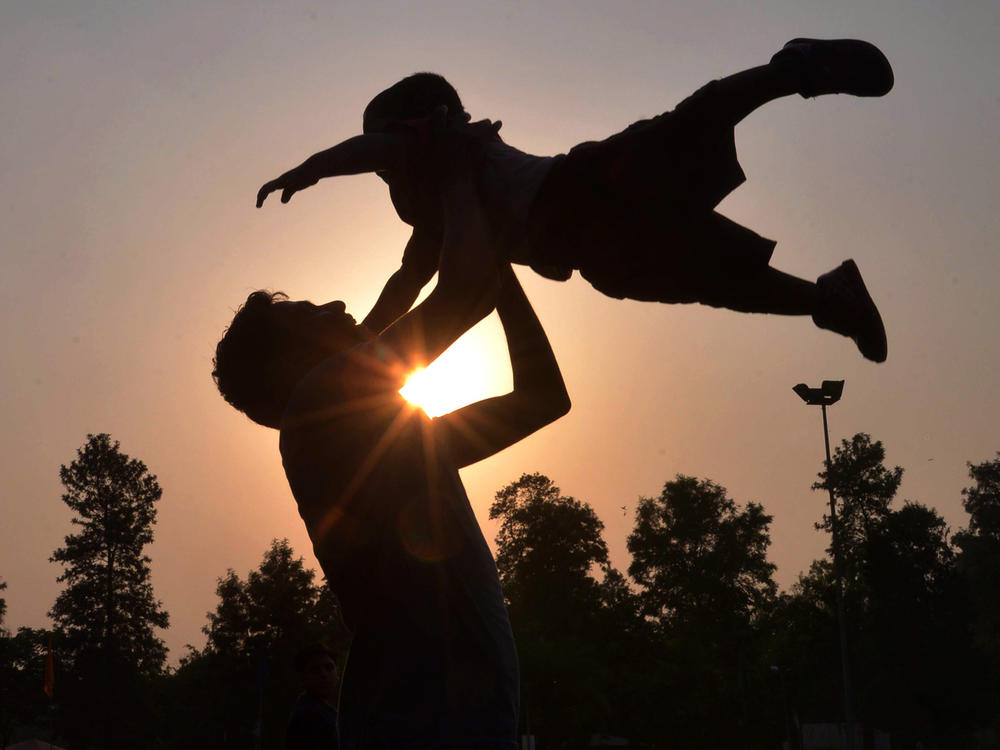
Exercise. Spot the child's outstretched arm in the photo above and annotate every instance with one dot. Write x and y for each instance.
(371, 152)
(420, 261)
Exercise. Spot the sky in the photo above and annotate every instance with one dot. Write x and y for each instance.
(134, 136)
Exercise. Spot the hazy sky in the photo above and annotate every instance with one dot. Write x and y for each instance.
(133, 138)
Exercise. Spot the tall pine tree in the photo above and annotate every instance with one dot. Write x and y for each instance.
(107, 613)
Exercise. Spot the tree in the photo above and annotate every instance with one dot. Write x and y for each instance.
(979, 568)
(697, 557)
(3, 608)
(548, 544)
(106, 614)
(982, 500)
(865, 488)
(801, 630)
(22, 701)
(905, 612)
(571, 626)
(909, 634)
(702, 565)
(278, 607)
(244, 673)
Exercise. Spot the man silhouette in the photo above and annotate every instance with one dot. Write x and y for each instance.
(432, 661)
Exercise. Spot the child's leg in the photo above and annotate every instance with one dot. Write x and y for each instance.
(808, 67)
(774, 292)
(838, 301)
(740, 94)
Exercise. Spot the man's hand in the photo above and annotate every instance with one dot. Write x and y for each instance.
(481, 429)
(289, 183)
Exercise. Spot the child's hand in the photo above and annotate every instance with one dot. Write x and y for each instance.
(484, 129)
(289, 183)
(457, 151)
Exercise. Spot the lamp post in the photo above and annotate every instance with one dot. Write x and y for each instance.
(826, 395)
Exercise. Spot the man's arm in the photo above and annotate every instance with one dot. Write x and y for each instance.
(539, 397)
(467, 285)
(371, 152)
(466, 291)
(419, 265)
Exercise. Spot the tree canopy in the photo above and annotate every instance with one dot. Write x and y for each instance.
(695, 647)
(106, 615)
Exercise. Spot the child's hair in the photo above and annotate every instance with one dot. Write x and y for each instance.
(251, 367)
(414, 97)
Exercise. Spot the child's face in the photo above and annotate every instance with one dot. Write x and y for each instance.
(414, 203)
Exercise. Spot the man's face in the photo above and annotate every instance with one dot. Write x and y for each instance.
(320, 678)
(329, 327)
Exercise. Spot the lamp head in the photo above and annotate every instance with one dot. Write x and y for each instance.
(828, 393)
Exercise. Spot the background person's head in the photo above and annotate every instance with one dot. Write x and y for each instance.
(270, 346)
(316, 667)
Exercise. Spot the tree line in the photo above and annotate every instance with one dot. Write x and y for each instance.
(692, 646)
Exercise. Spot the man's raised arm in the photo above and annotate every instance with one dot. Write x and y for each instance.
(467, 285)
(539, 397)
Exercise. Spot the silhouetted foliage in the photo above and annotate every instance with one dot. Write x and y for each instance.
(572, 628)
(803, 646)
(3, 608)
(243, 681)
(913, 671)
(695, 649)
(864, 488)
(911, 645)
(702, 567)
(24, 707)
(979, 567)
(982, 500)
(107, 613)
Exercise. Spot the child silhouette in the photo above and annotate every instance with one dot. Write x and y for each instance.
(634, 213)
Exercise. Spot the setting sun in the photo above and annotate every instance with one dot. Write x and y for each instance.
(470, 370)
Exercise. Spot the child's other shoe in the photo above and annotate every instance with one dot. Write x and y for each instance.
(847, 308)
(839, 66)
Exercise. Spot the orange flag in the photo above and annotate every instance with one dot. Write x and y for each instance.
(50, 671)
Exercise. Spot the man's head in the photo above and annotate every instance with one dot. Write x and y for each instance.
(270, 346)
(316, 668)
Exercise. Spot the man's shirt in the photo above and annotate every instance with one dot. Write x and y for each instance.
(432, 662)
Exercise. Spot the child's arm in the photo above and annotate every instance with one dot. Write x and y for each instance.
(466, 289)
(371, 152)
(420, 260)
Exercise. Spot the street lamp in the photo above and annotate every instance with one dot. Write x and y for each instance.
(826, 395)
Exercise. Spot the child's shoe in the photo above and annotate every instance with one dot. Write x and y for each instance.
(847, 308)
(839, 66)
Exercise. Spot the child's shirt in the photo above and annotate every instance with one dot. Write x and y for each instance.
(509, 181)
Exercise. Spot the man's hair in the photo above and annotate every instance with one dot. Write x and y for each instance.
(414, 97)
(250, 366)
(308, 654)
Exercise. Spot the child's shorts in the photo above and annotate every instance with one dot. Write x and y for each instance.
(635, 213)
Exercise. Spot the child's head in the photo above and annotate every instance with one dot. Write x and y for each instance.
(271, 345)
(414, 97)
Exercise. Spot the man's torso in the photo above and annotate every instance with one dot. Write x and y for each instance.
(433, 660)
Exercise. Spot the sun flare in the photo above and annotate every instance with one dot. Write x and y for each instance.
(468, 371)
